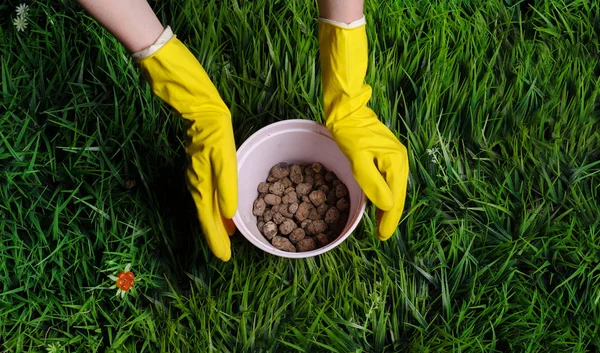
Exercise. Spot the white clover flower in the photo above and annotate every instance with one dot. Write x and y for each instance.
(22, 10)
(21, 23)
(54, 348)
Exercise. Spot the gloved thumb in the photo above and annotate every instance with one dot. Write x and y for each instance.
(372, 183)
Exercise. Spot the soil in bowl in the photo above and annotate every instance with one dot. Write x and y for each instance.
(301, 207)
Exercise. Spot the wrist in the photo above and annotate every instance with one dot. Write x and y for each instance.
(165, 36)
(354, 24)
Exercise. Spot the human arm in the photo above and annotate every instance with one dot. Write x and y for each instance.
(343, 11)
(379, 161)
(132, 22)
(176, 76)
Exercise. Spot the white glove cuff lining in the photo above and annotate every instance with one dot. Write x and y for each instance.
(166, 35)
(353, 24)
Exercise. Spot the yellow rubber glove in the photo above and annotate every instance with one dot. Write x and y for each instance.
(177, 77)
(379, 161)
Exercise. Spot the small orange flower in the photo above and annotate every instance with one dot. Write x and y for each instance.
(124, 281)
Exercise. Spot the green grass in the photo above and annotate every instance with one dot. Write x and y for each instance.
(498, 249)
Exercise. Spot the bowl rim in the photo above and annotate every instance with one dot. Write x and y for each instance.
(240, 226)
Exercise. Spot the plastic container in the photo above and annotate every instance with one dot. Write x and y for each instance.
(292, 141)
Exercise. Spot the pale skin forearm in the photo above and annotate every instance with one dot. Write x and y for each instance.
(135, 25)
(132, 22)
(345, 11)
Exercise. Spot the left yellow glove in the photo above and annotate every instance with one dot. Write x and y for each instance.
(177, 77)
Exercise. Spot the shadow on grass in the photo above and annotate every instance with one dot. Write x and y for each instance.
(182, 244)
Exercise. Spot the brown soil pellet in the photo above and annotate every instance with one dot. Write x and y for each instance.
(259, 207)
(268, 215)
(287, 226)
(316, 227)
(316, 167)
(306, 244)
(263, 187)
(303, 189)
(296, 174)
(322, 239)
(322, 209)
(284, 210)
(290, 197)
(280, 170)
(317, 197)
(330, 176)
(319, 180)
(282, 243)
(308, 171)
(341, 191)
(297, 234)
(302, 212)
(286, 182)
(309, 179)
(331, 199)
(271, 199)
(332, 216)
(269, 230)
(277, 188)
(342, 204)
(313, 214)
(305, 223)
(278, 218)
(301, 207)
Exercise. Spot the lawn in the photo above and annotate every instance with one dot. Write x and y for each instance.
(498, 103)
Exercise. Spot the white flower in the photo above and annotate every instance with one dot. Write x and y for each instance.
(22, 10)
(54, 348)
(431, 151)
(21, 23)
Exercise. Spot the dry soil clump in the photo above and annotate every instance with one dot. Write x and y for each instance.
(301, 207)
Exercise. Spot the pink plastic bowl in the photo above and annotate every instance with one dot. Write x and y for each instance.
(292, 141)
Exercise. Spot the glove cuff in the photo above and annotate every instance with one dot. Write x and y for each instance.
(360, 22)
(166, 36)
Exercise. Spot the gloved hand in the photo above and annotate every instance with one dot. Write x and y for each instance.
(177, 77)
(379, 161)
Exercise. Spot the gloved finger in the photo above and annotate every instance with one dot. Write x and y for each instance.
(225, 166)
(396, 173)
(209, 216)
(215, 231)
(229, 225)
(378, 215)
(372, 183)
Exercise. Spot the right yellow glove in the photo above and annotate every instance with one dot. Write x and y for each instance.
(370, 146)
(177, 77)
